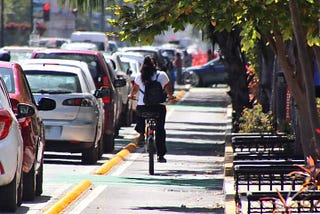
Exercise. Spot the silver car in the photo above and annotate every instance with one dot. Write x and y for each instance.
(76, 124)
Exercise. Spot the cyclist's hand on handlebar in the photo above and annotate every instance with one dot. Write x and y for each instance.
(172, 98)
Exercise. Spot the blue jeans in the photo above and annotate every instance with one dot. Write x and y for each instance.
(160, 131)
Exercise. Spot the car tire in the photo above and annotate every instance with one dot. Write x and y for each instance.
(39, 180)
(29, 185)
(90, 155)
(195, 80)
(101, 145)
(20, 191)
(108, 143)
(10, 196)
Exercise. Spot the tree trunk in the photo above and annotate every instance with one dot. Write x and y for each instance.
(234, 61)
(296, 63)
(307, 110)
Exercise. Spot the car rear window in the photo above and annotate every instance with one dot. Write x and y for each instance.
(53, 82)
(7, 76)
(91, 60)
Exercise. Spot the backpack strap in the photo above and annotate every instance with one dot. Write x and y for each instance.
(155, 80)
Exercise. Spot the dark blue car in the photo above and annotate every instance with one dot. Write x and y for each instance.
(211, 73)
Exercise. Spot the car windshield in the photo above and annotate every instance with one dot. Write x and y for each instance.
(53, 82)
(214, 61)
(7, 76)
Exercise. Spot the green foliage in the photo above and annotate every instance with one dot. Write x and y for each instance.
(17, 11)
(254, 120)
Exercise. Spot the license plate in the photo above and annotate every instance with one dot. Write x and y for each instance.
(53, 132)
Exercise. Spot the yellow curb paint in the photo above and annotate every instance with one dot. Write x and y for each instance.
(106, 167)
(69, 198)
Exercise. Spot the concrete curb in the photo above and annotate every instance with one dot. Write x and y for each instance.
(69, 197)
(120, 156)
(228, 185)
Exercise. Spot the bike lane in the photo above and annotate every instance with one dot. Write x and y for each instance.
(191, 180)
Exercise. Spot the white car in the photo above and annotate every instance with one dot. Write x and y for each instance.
(80, 46)
(120, 73)
(79, 106)
(11, 151)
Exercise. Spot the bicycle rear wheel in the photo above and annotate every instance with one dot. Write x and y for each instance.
(151, 151)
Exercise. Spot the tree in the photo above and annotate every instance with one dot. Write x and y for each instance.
(289, 27)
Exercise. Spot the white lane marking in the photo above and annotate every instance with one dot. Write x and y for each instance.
(125, 164)
(88, 199)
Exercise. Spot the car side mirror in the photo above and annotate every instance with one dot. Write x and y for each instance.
(129, 72)
(102, 92)
(25, 110)
(46, 104)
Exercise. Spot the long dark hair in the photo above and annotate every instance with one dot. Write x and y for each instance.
(148, 69)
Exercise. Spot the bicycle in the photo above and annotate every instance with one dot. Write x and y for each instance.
(150, 130)
(151, 126)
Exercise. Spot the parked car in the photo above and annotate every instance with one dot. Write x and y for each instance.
(11, 151)
(49, 42)
(32, 128)
(79, 108)
(19, 53)
(113, 46)
(149, 50)
(80, 46)
(98, 38)
(169, 51)
(120, 73)
(208, 74)
(102, 77)
(131, 62)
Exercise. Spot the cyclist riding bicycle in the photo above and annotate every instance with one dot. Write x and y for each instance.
(149, 72)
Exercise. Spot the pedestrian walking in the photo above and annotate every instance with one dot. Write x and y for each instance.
(178, 68)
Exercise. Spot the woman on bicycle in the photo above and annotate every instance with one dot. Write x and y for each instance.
(149, 72)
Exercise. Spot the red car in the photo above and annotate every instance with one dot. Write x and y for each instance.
(102, 77)
(32, 128)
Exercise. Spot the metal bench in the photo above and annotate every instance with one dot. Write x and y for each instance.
(265, 202)
(262, 143)
(265, 176)
(265, 155)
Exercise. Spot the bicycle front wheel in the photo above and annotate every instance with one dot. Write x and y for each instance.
(151, 151)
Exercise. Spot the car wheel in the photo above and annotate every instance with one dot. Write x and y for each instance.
(20, 190)
(194, 79)
(90, 156)
(29, 185)
(9, 196)
(39, 180)
(100, 146)
(108, 143)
